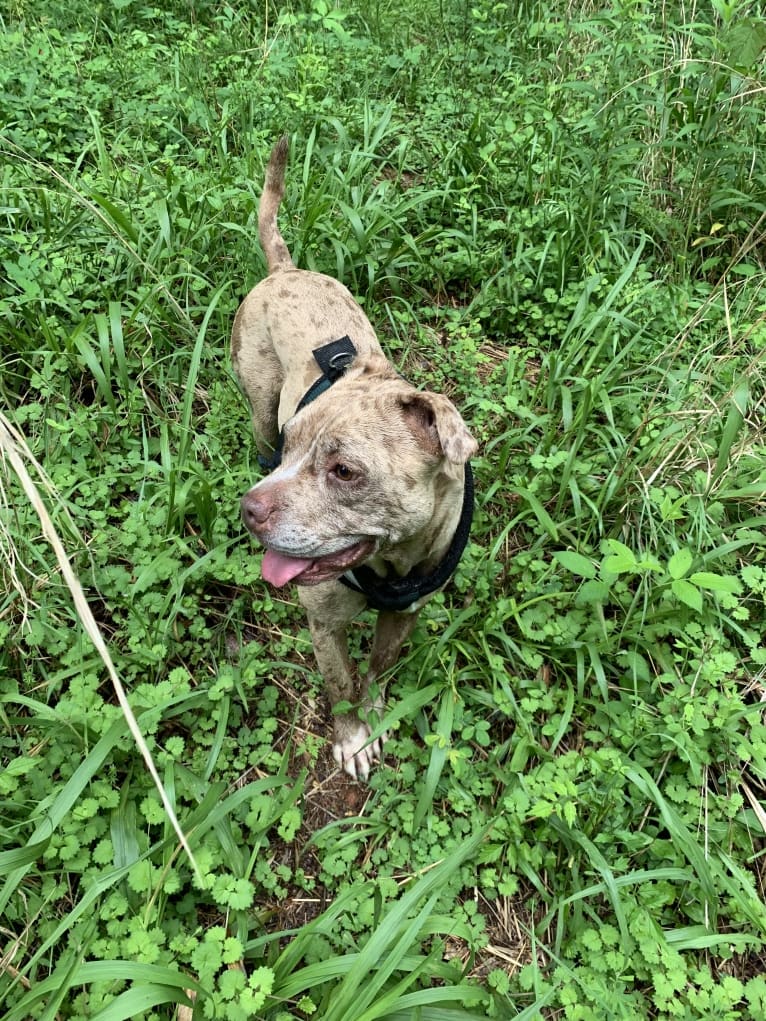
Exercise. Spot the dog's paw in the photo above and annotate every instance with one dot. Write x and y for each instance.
(354, 752)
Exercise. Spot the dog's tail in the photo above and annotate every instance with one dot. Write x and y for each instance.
(272, 242)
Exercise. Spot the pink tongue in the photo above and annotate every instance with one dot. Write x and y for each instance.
(279, 569)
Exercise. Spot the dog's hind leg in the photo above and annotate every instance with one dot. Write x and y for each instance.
(391, 632)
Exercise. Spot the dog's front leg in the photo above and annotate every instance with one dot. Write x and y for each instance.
(352, 747)
(330, 609)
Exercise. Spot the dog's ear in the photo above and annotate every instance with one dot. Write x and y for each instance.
(438, 427)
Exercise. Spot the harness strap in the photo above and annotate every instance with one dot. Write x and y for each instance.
(333, 359)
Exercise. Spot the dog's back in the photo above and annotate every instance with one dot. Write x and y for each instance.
(286, 317)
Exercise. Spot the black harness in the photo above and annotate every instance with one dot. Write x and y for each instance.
(397, 594)
(333, 359)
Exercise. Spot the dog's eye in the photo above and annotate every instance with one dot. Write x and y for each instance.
(342, 472)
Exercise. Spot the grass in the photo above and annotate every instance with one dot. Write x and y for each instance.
(552, 212)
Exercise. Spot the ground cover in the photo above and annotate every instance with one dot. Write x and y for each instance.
(553, 212)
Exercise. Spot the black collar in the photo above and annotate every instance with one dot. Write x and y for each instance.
(399, 594)
(396, 594)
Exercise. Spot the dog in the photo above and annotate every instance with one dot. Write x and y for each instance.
(370, 494)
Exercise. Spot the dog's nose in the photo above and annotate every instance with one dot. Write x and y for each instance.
(255, 510)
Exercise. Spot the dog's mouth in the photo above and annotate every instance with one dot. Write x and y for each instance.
(279, 569)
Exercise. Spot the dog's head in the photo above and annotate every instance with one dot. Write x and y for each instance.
(371, 467)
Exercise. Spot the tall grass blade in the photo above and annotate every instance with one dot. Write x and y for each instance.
(386, 946)
(735, 419)
(139, 998)
(152, 985)
(191, 379)
(439, 751)
(14, 448)
(18, 857)
(680, 835)
(610, 884)
(64, 802)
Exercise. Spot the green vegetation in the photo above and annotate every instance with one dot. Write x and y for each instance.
(555, 213)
